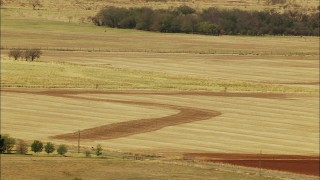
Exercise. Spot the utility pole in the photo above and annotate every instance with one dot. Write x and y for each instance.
(79, 141)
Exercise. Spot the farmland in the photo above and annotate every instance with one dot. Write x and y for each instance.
(155, 93)
(72, 168)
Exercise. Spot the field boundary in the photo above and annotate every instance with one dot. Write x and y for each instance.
(166, 51)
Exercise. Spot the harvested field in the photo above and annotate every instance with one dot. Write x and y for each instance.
(57, 168)
(273, 132)
(309, 165)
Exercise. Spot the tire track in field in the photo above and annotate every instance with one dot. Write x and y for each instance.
(128, 128)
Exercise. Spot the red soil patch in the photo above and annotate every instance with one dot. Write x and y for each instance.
(308, 165)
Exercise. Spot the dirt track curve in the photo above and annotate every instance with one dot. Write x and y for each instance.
(123, 129)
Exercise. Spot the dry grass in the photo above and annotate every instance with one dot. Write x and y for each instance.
(54, 75)
(247, 125)
(82, 168)
(75, 7)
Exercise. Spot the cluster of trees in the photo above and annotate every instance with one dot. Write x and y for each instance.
(7, 144)
(31, 54)
(37, 146)
(211, 21)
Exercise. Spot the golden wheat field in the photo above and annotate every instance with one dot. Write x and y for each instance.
(155, 93)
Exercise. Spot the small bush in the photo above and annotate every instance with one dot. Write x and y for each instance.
(98, 150)
(87, 153)
(36, 146)
(62, 149)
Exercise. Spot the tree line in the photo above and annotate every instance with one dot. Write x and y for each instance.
(8, 143)
(210, 21)
(31, 54)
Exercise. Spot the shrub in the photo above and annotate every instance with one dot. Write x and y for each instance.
(15, 53)
(22, 147)
(98, 150)
(49, 148)
(62, 149)
(36, 146)
(87, 153)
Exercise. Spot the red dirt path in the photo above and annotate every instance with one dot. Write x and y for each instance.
(123, 129)
(308, 165)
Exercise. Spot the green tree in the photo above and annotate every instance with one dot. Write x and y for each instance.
(22, 147)
(206, 28)
(6, 143)
(49, 148)
(62, 149)
(36, 146)
(98, 150)
(184, 9)
(1, 144)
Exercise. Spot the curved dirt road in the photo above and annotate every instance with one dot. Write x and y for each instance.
(123, 129)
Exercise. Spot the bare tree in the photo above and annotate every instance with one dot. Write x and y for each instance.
(15, 53)
(32, 54)
(35, 3)
(22, 147)
(1, 3)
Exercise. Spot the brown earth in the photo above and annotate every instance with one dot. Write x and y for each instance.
(309, 165)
